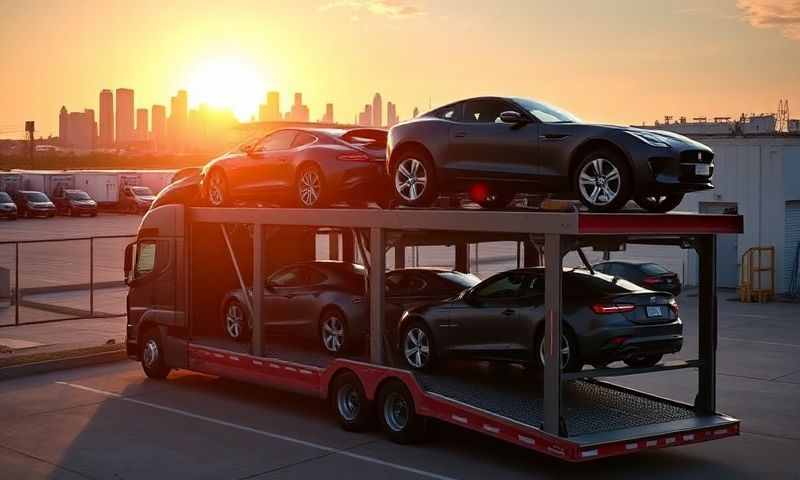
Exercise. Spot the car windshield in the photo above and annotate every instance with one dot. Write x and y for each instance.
(653, 269)
(460, 279)
(142, 191)
(4, 198)
(583, 281)
(78, 196)
(546, 113)
(36, 197)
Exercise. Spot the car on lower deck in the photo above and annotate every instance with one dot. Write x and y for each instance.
(302, 167)
(34, 204)
(605, 319)
(8, 209)
(496, 147)
(324, 302)
(645, 274)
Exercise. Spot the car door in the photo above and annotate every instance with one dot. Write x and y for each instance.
(267, 167)
(484, 148)
(489, 324)
(280, 289)
(404, 290)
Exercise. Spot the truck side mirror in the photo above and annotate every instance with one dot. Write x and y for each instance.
(128, 262)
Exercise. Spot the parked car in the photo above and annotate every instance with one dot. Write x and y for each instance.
(75, 203)
(34, 204)
(324, 301)
(302, 167)
(605, 319)
(135, 199)
(8, 209)
(496, 147)
(645, 274)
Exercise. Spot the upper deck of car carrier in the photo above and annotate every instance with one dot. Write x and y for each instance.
(575, 416)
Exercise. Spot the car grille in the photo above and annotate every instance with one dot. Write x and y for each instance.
(696, 156)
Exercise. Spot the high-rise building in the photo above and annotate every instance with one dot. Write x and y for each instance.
(142, 125)
(299, 112)
(63, 126)
(391, 114)
(81, 129)
(270, 111)
(106, 138)
(93, 125)
(178, 117)
(377, 110)
(159, 126)
(328, 117)
(124, 125)
(365, 117)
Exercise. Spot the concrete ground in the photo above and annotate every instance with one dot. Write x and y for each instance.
(112, 422)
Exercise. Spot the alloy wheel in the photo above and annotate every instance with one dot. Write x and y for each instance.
(333, 333)
(310, 188)
(234, 320)
(216, 190)
(599, 181)
(565, 352)
(416, 347)
(410, 179)
(150, 353)
(348, 401)
(396, 412)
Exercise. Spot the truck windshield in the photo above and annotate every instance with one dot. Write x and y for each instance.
(78, 196)
(36, 197)
(4, 198)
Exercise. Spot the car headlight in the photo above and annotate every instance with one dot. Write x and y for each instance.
(652, 139)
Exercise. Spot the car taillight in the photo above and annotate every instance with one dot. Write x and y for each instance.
(674, 306)
(354, 157)
(603, 309)
(651, 280)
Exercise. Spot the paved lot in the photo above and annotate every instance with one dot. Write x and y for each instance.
(112, 422)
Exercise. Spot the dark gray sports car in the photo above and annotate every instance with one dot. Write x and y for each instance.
(496, 147)
(604, 319)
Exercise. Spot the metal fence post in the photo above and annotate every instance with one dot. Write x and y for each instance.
(91, 277)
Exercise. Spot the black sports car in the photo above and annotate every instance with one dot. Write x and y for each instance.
(646, 274)
(496, 147)
(302, 167)
(324, 301)
(604, 319)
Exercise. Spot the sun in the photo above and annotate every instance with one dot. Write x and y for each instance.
(228, 83)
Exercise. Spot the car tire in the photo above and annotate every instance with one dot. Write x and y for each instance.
(334, 332)
(217, 189)
(398, 415)
(414, 169)
(569, 347)
(235, 321)
(496, 201)
(643, 361)
(310, 189)
(601, 172)
(417, 346)
(660, 203)
(152, 355)
(350, 404)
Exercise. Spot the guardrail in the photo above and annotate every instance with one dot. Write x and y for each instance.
(62, 279)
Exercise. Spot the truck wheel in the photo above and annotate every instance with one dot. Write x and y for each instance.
(413, 177)
(350, 403)
(398, 416)
(153, 355)
(417, 346)
(641, 361)
(235, 322)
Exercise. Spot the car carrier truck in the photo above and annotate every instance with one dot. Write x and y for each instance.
(185, 258)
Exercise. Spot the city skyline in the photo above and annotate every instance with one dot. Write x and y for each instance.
(644, 60)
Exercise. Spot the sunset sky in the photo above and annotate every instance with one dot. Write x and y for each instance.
(621, 61)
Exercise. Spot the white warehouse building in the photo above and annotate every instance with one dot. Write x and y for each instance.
(759, 177)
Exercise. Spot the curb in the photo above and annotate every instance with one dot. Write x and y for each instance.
(79, 359)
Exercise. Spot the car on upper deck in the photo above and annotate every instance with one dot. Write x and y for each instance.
(496, 147)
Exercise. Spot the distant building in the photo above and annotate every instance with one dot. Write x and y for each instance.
(328, 117)
(793, 125)
(81, 130)
(106, 120)
(90, 113)
(764, 124)
(177, 123)
(299, 112)
(63, 126)
(159, 126)
(142, 125)
(377, 110)
(391, 114)
(125, 132)
(270, 111)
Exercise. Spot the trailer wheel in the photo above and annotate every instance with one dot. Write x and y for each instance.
(350, 403)
(152, 355)
(398, 416)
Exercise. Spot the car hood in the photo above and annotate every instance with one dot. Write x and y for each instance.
(674, 139)
(185, 191)
(41, 204)
(84, 203)
(8, 206)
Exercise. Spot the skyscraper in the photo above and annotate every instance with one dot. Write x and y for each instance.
(377, 110)
(124, 125)
(178, 117)
(106, 138)
(328, 117)
(299, 112)
(365, 117)
(142, 125)
(159, 126)
(92, 125)
(270, 111)
(391, 114)
(63, 126)
(81, 129)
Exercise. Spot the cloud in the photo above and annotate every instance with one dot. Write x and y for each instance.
(781, 14)
(395, 9)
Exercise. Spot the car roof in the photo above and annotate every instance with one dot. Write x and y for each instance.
(629, 262)
(484, 97)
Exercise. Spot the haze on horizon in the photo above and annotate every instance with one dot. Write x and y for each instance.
(624, 62)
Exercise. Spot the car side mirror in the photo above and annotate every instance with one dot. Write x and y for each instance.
(128, 268)
(511, 116)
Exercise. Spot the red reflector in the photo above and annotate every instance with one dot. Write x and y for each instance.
(354, 157)
(478, 193)
(602, 309)
(651, 280)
